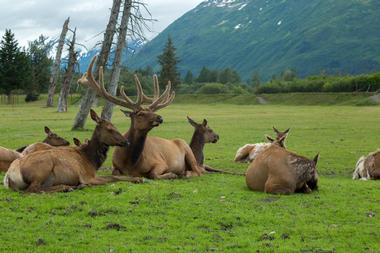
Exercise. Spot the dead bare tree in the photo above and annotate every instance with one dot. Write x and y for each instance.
(57, 63)
(90, 95)
(116, 65)
(133, 24)
(62, 101)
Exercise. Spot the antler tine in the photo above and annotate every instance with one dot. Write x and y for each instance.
(165, 99)
(156, 90)
(168, 101)
(139, 90)
(100, 90)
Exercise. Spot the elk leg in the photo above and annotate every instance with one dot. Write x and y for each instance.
(191, 162)
(35, 187)
(102, 180)
(273, 187)
(158, 173)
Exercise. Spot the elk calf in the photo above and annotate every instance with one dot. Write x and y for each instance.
(202, 134)
(52, 139)
(279, 171)
(66, 168)
(368, 167)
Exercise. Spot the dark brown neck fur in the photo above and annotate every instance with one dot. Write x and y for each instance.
(136, 145)
(197, 144)
(95, 151)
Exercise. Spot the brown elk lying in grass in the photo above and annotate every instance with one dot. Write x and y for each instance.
(249, 152)
(7, 156)
(279, 171)
(65, 168)
(146, 156)
(368, 167)
(52, 139)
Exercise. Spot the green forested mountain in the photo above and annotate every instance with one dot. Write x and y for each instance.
(268, 36)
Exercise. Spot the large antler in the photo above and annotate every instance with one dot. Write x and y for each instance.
(157, 101)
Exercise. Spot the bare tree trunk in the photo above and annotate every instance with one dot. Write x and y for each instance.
(116, 66)
(89, 97)
(55, 70)
(62, 101)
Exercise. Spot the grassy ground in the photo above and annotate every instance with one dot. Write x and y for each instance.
(213, 213)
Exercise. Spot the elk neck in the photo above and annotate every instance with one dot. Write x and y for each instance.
(95, 151)
(197, 144)
(137, 140)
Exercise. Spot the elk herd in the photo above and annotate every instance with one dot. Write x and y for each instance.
(52, 165)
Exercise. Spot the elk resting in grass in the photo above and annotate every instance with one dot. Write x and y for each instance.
(65, 168)
(279, 171)
(146, 156)
(51, 139)
(7, 156)
(249, 152)
(368, 167)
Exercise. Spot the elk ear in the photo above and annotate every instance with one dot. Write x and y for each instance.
(95, 116)
(126, 113)
(276, 130)
(77, 142)
(316, 158)
(287, 131)
(204, 122)
(192, 122)
(47, 130)
(270, 139)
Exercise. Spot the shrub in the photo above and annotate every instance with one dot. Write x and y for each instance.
(31, 97)
(212, 88)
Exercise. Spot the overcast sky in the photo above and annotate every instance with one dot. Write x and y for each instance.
(30, 18)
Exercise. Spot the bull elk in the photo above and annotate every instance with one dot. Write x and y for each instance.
(279, 171)
(368, 167)
(146, 156)
(51, 139)
(249, 152)
(65, 168)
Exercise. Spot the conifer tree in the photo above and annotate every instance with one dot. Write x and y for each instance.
(168, 61)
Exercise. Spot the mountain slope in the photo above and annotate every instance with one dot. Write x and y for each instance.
(268, 36)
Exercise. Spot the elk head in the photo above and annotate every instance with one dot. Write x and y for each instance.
(208, 134)
(107, 133)
(281, 134)
(53, 139)
(279, 142)
(143, 118)
(78, 143)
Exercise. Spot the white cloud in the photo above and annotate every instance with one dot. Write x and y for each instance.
(30, 18)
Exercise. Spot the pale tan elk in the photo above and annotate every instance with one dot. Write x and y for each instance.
(279, 171)
(146, 156)
(65, 168)
(368, 167)
(51, 139)
(7, 156)
(249, 152)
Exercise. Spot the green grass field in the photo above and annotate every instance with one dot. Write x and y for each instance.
(212, 213)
